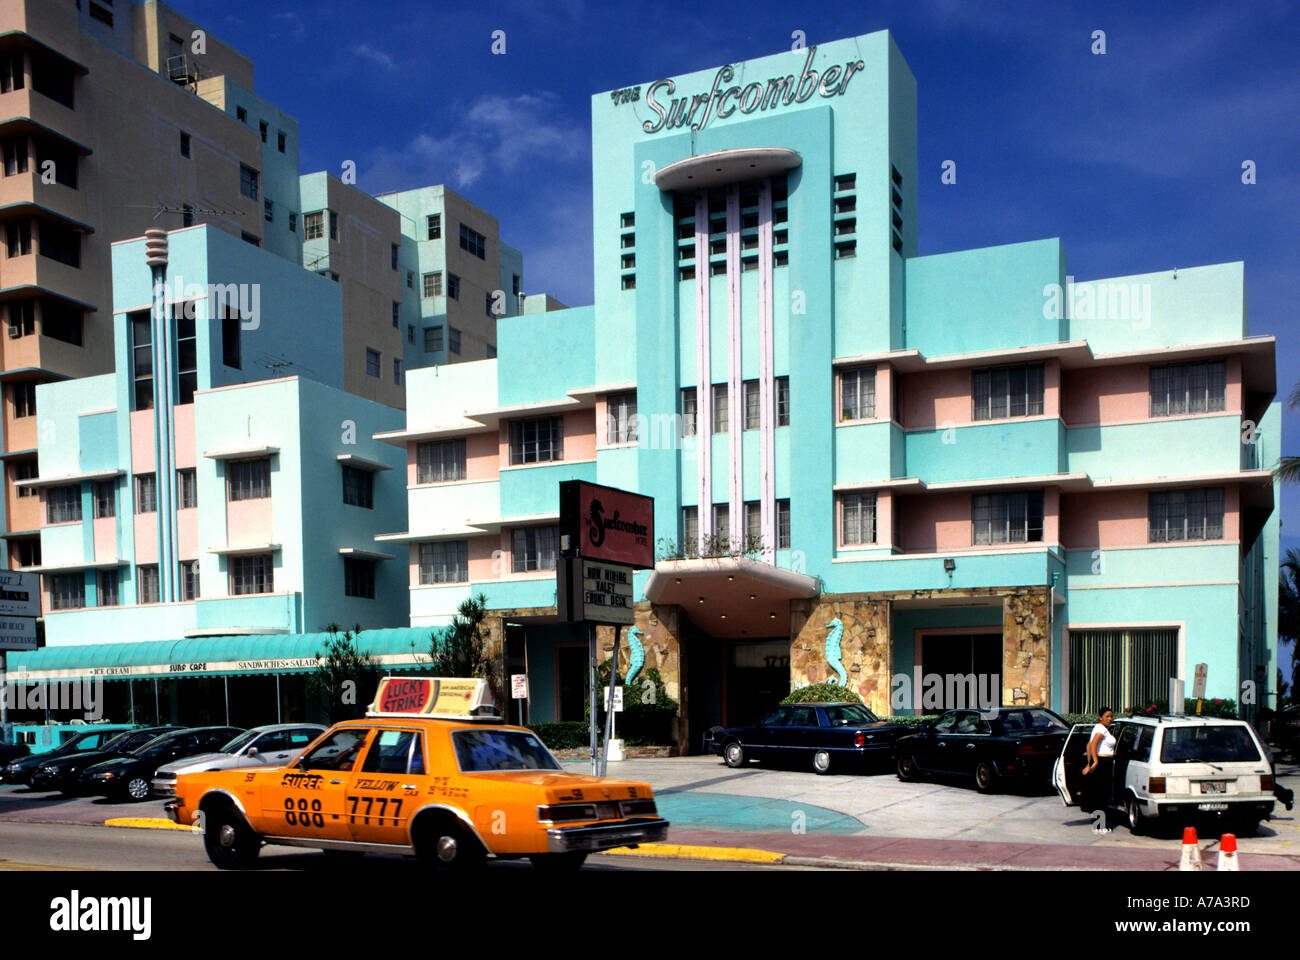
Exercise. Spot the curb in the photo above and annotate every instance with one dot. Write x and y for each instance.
(683, 852)
(146, 823)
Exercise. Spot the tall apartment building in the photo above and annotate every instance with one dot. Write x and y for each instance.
(869, 466)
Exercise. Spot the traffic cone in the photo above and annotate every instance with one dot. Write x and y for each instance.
(1191, 856)
(1228, 853)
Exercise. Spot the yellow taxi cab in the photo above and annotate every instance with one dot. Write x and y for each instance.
(430, 771)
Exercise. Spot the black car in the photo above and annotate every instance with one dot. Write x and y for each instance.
(21, 769)
(10, 752)
(827, 735)
(50, 772)
(1013, 743)
(130, 776)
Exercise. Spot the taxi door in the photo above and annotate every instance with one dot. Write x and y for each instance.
(385, 788)
(307, 799)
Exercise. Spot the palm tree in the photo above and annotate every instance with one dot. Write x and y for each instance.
(1288, 468)
(1288, 607)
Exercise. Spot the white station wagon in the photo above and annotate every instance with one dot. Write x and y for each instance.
(1177, 768)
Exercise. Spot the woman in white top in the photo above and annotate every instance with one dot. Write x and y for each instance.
(1101, 758)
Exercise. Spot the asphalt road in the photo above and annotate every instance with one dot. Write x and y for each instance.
(48, 846)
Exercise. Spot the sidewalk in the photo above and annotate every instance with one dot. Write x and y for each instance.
(895, 853)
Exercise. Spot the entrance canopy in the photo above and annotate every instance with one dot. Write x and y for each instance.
(212, 656)
(731, 596)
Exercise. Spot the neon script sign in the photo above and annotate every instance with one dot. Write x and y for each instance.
(722, 101)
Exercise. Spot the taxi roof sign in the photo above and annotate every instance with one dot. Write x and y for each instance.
(450, 698)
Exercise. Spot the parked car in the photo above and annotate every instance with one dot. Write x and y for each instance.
(51, 772)
(21, 769)
(10, 752)
(427, 772)
(826, 735)
(273, 745)
(1177, 768)
(1015, 744)
(129, 777)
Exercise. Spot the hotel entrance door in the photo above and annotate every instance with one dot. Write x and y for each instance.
(956, 657)
(731, 682)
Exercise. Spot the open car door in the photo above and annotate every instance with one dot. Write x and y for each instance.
(1067, 773)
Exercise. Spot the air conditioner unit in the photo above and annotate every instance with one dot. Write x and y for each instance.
(15, 332)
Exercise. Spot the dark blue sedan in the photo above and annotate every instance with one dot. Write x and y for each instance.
(827, 735)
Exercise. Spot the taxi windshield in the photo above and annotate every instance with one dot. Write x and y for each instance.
(478, 750)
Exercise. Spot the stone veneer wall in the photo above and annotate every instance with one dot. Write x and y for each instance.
(866, 646)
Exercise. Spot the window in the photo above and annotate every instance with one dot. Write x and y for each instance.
(241, 114)
(515, 284)
(185, 144)
(446, 561)
(187, 489)
(752, 406)
(472, 241)
(432, 339)
(63, 504)
(61, 321)
(857, 519)
(846, 181)
(293, 222)
(722, 520)
(22, 318)
(440, 461)
(410, 333)
(453, 339)
(261, 128)
(18, 235)
(397, 371)
(358, 488)
(11, 72)
(105, 499)
(1180, 388)
(358, 578)
(627, 220)
(394, 256)
(690, 529)
(281, 140)
(393, 752)
(1176, 515)
(433, 284)
(1008, 392)
(453, 286)
(248, 182)
(268, 211)
(187, 361)
(230, 337)
(410, 279)
(858, 394)
(26, 553)
(489, 303)
(720, 408)
(313, 225)
(23, 470)
(23, 396)
(108, 596)
(783, 524)
(67, 591)
(1129, 666)
(53, 78)
(783, 401)
(187, 215)
(753, 520)
(249, 479)
(688, 412)
(15, 156)
(142, 354)
(433, 224)
(533, 548)
(60, 243)
(251, 238)
(146, 493)
(1007, 518)
(536, 441)
(397, 315)
(373, 361)
(334, 225)
(251, 574)
(147, 585)
(621, 415)
(189, 580)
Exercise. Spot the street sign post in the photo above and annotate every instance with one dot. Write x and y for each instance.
(1198, 684)
(606, 535)
(20, 605)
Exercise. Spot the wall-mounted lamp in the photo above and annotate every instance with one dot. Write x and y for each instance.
(949, 565)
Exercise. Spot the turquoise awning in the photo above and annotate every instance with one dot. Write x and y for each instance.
(397, 648)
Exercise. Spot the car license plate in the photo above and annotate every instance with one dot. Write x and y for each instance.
(1214, 786)
(1211, 806)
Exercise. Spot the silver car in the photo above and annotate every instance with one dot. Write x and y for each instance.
(273, 745)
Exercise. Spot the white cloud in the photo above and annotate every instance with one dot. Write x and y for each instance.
(372, 53)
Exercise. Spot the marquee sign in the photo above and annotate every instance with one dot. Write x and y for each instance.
(603, 523)
(722, 101)
(453, 697)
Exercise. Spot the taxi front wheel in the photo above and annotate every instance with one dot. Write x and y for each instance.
(231, 844)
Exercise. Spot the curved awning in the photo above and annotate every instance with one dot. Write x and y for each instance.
(398, 648)
(731, 596)
(726, 166)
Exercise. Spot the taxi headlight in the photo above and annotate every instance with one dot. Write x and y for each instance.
(561, 812)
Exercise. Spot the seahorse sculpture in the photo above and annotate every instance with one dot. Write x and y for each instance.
(635, 654)
(833, 650)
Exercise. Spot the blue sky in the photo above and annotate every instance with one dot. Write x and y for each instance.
(1132, 158)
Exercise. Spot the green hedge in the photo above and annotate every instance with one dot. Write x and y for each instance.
(823, 693)
(562, 736)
